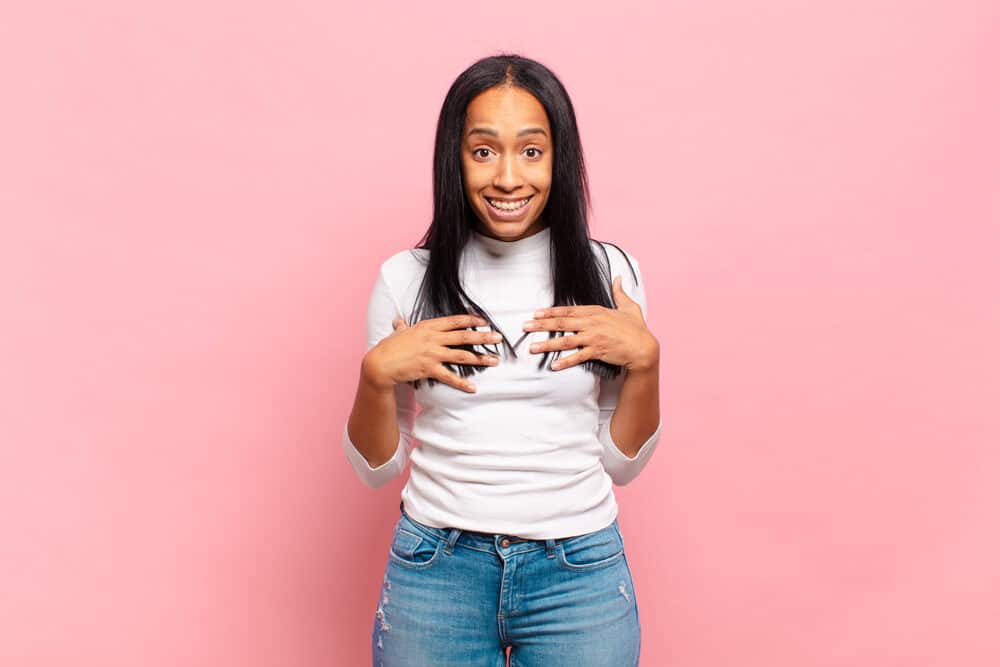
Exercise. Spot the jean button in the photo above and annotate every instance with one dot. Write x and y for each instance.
(505, 542)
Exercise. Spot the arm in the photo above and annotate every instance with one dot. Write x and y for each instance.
(378, 434)
(629, 419)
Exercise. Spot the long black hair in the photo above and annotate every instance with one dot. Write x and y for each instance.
(577, 277)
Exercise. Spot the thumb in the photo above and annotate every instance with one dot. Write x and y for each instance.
(621, 298)
(398, 323)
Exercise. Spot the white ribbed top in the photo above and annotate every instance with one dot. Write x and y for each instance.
(530, 453)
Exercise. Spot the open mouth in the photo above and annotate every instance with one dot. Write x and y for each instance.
(508, 206)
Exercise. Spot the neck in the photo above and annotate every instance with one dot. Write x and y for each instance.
(528, 249)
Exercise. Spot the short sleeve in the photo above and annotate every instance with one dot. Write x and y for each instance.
(383, 307)
(619, 467)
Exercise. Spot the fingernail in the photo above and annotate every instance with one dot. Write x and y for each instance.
(530, 324)
(496, 337)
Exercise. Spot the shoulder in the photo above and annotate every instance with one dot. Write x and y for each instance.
(407, 259)
(405, 264)
(402, 269)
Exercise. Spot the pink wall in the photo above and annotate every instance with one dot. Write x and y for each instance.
(195, 200)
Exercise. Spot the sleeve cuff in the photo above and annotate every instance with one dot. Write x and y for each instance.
(375, 477)
(620, 467)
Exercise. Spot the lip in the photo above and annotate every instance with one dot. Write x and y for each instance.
(508, 199)
(504, 216)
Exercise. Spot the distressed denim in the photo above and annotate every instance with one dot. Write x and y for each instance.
(459, 598)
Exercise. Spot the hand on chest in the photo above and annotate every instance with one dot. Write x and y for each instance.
(510, 299)
(510, 304)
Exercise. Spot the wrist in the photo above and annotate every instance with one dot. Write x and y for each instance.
(648, 358)
(371, 373)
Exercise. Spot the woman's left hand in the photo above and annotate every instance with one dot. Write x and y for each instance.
(614, 335)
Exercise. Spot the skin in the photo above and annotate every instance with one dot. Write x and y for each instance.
(616, 335)
(514, 164)
(506, 165)
(409, 353)
(619, 336)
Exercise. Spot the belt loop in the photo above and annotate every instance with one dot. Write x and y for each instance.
(550, 548)
(452, 538)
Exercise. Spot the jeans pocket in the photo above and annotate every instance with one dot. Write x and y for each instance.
(412, 550)
(592, 551)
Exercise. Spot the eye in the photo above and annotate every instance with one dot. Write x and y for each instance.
(478, 152)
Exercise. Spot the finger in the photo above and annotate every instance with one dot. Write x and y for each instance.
(455, 356)
(454, 380)
(449, 322)
(563, 311)
(559, 343)
(621, 297)
(470, 358)
(571, 360)
(556, 323)
(467, 337)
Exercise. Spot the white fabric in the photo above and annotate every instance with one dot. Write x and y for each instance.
(530, 453)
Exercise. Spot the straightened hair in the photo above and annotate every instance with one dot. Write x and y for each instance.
(578, 278)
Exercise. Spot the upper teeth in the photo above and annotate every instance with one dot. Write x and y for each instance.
(508, 206)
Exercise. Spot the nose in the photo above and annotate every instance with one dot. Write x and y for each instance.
(508, 174)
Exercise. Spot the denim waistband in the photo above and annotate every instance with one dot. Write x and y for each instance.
(453, 533)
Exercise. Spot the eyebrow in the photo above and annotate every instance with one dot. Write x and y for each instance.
(493, 133)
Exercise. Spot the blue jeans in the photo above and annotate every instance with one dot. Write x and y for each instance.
(456, 597)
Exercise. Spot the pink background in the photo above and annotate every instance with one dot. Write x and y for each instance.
(195, 199)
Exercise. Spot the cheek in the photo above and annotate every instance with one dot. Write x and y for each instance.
(543, 176)
(472, 176)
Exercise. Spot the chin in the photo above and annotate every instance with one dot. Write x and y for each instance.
(511, 230)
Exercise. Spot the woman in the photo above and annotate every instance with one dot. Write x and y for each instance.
(508, 534)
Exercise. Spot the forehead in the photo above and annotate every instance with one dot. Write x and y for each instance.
(506, 109)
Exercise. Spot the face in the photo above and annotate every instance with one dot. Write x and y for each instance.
(506, 158)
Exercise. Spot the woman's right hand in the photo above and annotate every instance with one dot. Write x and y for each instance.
(410, 353)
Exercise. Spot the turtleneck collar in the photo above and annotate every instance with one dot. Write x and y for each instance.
(530, 249)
